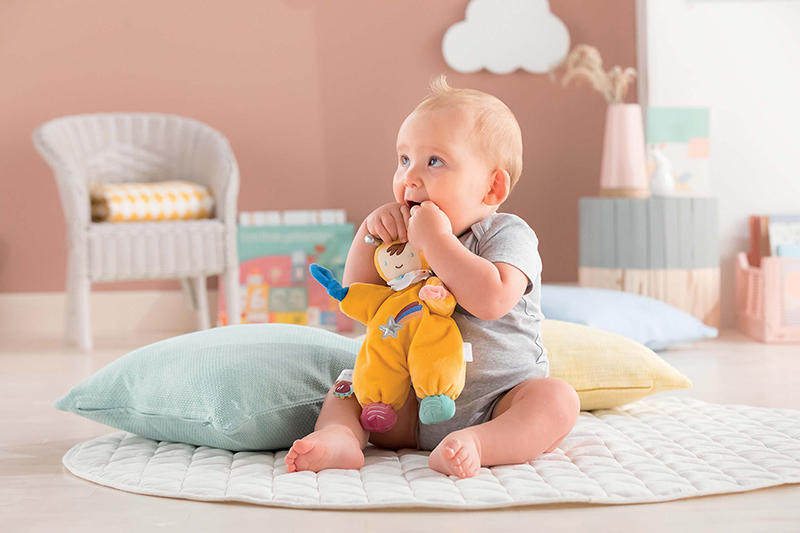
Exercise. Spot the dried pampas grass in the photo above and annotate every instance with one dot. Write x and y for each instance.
(584, 61)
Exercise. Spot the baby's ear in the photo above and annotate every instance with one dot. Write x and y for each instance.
(499, 187)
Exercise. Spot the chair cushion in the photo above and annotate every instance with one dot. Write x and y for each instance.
(648, 321)
(156, 201)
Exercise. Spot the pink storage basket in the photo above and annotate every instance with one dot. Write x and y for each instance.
(768, 299)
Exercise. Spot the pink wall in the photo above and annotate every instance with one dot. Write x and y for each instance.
(310, 94)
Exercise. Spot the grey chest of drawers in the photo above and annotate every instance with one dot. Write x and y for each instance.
(665, 248)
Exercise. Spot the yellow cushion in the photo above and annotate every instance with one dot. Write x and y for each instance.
(140, 202)
(607, 370)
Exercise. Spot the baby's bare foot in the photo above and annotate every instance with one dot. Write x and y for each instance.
(457, 455)
(330, 447)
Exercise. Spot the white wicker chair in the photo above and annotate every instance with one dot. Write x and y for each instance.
(138, 147)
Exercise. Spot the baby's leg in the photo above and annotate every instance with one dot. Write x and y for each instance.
(338, 437)
(337, 440)
(533, 418)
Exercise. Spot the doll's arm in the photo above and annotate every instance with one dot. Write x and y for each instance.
(363, 301)
(325, 278)
(359, 301)
(439, 300)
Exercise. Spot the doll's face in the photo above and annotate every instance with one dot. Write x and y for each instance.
(398, 259)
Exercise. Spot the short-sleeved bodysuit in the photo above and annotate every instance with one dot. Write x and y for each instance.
(506, 351)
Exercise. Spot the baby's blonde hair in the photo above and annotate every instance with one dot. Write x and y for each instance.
(496, 127)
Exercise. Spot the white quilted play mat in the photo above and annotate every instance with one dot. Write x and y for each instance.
(650, 451)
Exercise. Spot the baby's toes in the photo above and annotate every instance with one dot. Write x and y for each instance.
(290, 460)
(472, 471)
(450, 450)
(461, 456)
(473, 465)
(301, 447)
(464, 469)
(291, 455)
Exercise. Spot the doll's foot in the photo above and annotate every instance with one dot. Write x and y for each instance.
(457, 455)
(435, 409)
(378, 417)
(330, 447)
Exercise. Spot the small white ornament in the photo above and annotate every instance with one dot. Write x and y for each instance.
(662, 180)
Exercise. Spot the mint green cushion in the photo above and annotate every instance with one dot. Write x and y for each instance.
(248, 387)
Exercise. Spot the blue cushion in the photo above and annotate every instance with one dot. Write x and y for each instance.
(248, 387)
(648, 321)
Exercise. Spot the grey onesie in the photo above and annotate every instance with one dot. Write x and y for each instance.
(506, 351)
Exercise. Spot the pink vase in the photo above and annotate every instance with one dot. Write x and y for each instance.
(623, 172)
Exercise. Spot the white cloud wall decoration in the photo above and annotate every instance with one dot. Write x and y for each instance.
(505, 35)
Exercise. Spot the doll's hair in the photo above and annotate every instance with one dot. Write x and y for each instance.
(396, 248)
(495, 126)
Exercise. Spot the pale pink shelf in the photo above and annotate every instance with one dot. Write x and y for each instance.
(768, 299)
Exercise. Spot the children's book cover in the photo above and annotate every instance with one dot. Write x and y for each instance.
(274, 282)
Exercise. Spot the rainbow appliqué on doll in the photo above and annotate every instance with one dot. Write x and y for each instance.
(412, 309)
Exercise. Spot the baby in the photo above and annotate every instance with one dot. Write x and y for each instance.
(459, 155)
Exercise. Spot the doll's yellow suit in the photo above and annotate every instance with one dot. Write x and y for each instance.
(409, 341)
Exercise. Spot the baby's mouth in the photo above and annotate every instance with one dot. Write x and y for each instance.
(411, 203)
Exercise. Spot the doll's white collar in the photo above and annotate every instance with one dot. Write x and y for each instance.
(409, 278)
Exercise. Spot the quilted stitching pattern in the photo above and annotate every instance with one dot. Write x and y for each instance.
(653, 450)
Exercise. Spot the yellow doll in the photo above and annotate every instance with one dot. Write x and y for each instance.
(411, 340)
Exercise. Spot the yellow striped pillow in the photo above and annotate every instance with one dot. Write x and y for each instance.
(139, 202)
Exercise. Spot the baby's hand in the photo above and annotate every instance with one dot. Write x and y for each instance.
(427, 224)
(389, 222)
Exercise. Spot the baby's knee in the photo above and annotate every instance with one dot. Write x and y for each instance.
(563, 402)
(567, 401)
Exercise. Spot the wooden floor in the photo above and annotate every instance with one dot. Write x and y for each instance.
(36, 494)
